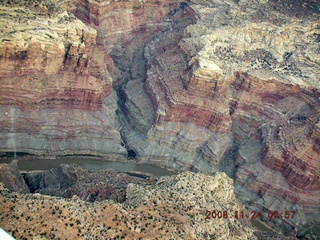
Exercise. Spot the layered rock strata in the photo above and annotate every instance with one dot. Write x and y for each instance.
(203, 85)
(238, 91)
(56, 95)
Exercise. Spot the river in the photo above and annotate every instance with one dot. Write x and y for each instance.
(89, 164)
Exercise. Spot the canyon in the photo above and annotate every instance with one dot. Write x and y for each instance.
(201, 86)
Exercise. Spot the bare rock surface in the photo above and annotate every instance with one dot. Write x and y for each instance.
(206, 86)
(172, 208)
(56, 95)
(12, 179)
(69, 180)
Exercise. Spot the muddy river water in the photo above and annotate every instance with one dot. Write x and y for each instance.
(89, 164)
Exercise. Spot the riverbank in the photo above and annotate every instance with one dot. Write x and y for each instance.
(30, 163)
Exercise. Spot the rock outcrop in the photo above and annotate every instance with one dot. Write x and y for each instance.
(56, 95)
(173, 207)
(12, 179)
(238, 97)
(207, 86)
(69, 180)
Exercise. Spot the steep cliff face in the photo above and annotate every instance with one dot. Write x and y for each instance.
(240, 93)
(12, 179)
(69, 180)
(207, 86)
(221, 86)
(56, 94)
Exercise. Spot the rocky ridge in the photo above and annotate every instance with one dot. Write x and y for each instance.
(69, 180)
(11, 178)
(172, 207)
(201, 85)
(56, 94)
(241, 99)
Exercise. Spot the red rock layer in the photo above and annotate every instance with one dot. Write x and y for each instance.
(36, 76)
(288, 116)
(56, 93)
(270, 122)
(185, 98)
(213, 96)
(127, 23)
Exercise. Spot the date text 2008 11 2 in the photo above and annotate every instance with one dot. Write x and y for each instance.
(216, 214)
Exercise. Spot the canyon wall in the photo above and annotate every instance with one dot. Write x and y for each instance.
(221, 87)
(201, 85)
(56, 94)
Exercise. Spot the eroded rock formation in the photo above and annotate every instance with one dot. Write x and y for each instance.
(69, 180)
(56, 94)
(207, 86)
(173, 207)
(12, 179)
